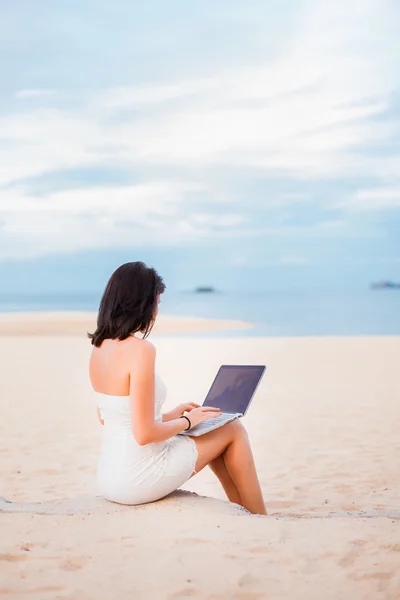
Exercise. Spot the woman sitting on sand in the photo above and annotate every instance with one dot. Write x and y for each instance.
(143, 458)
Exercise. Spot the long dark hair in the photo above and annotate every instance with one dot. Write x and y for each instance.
(129, 303)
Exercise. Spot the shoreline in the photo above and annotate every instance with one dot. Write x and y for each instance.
(78, 323)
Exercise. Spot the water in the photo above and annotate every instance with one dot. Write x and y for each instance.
(275, 313)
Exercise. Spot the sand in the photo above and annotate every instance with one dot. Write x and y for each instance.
(79, 323)
(325, 432)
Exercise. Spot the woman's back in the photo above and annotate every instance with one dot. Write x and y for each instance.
(109, 365)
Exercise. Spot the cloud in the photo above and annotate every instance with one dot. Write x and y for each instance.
(375, 199)
(313, 109)
(24, 94)
(307, 113)
(106, 217)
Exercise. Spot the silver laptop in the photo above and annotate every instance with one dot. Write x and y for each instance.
(232, 391)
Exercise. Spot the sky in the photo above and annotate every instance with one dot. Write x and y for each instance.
(239, 144)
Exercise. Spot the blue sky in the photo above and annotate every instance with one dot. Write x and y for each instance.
(238, 144)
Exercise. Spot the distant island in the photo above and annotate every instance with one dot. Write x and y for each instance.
(385, 285)
(205, 289)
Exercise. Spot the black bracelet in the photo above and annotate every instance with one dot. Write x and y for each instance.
(188, 420)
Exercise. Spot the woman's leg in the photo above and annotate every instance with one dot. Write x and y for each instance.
(231, 440)
(218, 467)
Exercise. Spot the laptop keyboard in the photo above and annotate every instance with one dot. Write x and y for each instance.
(211, 424)
(215, 422)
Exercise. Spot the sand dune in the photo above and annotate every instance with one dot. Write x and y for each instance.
(324, 428)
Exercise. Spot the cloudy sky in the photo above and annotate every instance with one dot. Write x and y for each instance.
(235, 143)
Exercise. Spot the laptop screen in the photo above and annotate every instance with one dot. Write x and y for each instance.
(233, 387)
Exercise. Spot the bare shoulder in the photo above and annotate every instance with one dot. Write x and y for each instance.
(139, 349)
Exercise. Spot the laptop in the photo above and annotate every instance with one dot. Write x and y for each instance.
(232, 391)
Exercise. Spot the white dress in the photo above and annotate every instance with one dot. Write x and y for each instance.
(132, 474)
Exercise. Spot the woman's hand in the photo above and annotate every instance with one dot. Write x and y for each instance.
(179, 410)
(202, 413)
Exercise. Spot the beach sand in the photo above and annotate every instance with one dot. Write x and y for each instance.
(79, 323)
(325, 433)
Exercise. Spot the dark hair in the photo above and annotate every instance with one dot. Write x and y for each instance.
(129, 303)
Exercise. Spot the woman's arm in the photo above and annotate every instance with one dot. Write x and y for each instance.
(142, 390)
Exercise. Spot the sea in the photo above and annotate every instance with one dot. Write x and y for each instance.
(308, 312)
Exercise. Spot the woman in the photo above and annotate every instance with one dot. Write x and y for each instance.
(143, 458)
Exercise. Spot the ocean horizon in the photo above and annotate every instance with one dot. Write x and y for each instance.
(273, 313)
